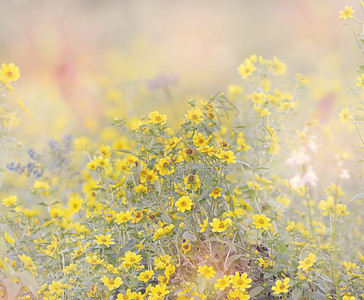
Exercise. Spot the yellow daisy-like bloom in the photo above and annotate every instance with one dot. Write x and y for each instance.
(104, 240)
(146, 275)
(345, 116)
(222, 283)
(199, 140)
(159, 290)
(184, 203)
(156, 118)
(131, 258)
(164, 167)
(8, 238)
(186, 247)
(246, 68)
(347, 13)
(281, 287)
(240, 281)
(9, 73)
(261, 221)
(194, 116)
(127, 296)
(349, 297)
(278, 67)
(215, 192)
(340, 210)
(327, 206)
(11, 200)
(220, 225)
(360, 80)
(206, 271)
(169, 271)
(94, 260)
(123, 217)
(238, 294)
(227, 156)
(75, 204)
(307, 262)
(112, 283)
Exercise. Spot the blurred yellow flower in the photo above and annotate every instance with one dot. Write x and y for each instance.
(345, 116)
(347, 13)
(9, 73)
(281, 287)
(307, 262)
(207, 271)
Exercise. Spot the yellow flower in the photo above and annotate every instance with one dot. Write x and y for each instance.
(123, 217)
(131, 259)
(216, 192)
(360, 80)
(162, 262)
(159, 290)
(222, 283)
(204, 225)
(169, 270)
(281, 287)
(184, 203)
(56, 212)
(194, 116)
(127, 296)
(156, 118)
(9, 201)
(172, 143)
(345, 116)
(9, 73)
(261, 221)
(192, 182)
(220, 225)
(104, 240)
(146, 275)
(186, 247)
(207, 271)
(227, 156)
(340, 210)
(278, 67)
(238, 294)
(327, 206)
(94, 260)
(112, 283)
(164, 166)
(347, 13)
(246, 68)
(307, 262)
(92, 165)
(199, 140)
(8, 238)
(75, 204)
(240, 281)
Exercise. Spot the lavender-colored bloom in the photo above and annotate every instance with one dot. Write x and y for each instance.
(162, 81)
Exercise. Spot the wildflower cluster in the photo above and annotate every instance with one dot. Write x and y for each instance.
(199, 210)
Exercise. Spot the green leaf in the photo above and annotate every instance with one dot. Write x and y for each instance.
(282, 248)
(358, 196)
(361, 68)
(3, 247)
(231, 259)
(256, 291)
(296, 294)
(244, 164)
(317, 295)
(188, 235)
